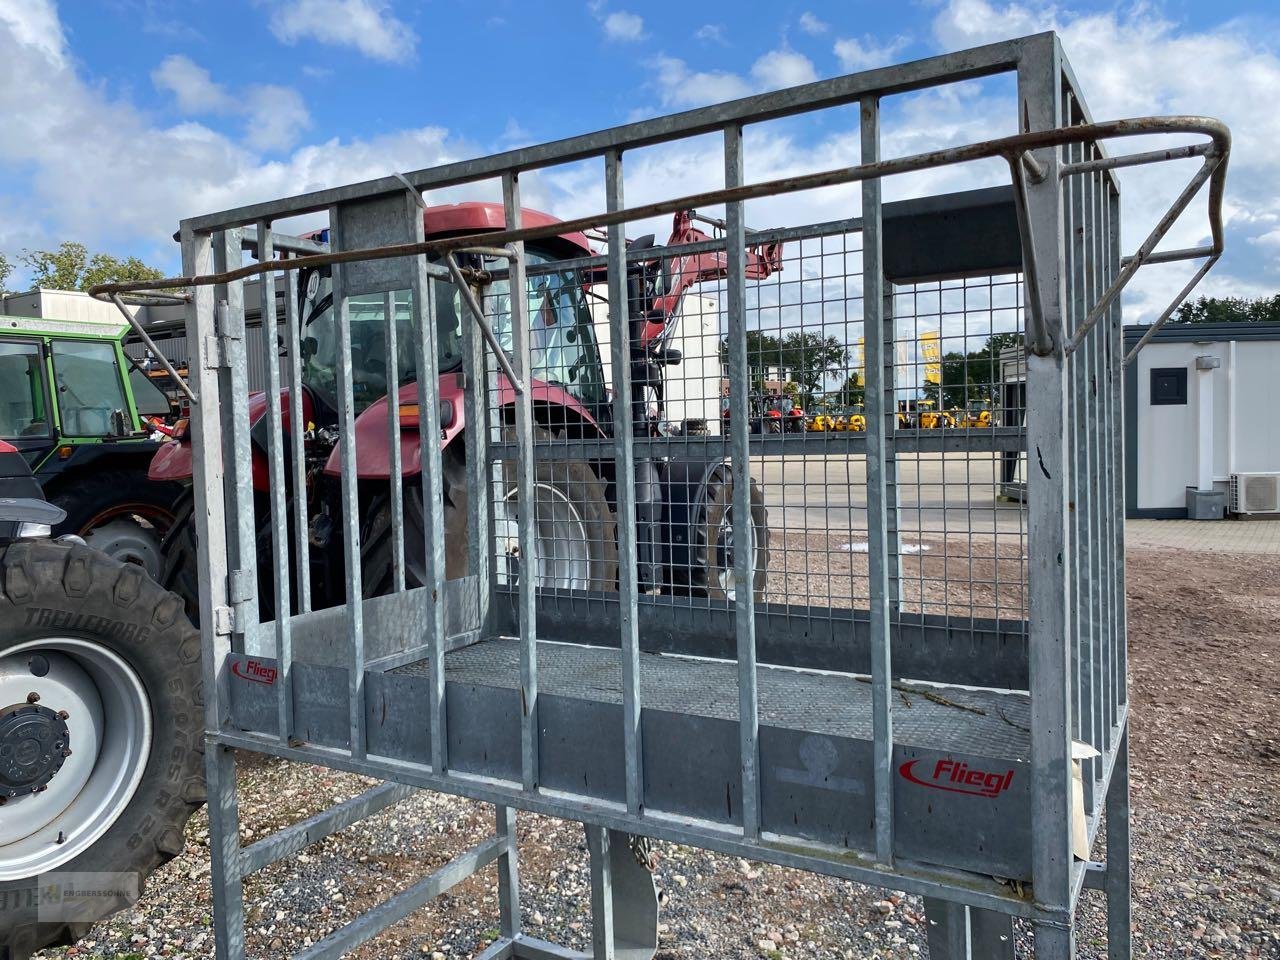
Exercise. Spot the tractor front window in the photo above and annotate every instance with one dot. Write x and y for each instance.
(22, 392)
(90, 390)
(370, 365)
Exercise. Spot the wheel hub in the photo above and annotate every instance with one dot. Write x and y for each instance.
(33, 747)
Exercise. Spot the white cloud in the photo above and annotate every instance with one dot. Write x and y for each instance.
(812, 25)
(783, 68)
(141, 177)
(679, 86)
(192, 86)
(620, 25)
(275, 115)
(711, 33)
(34, 24)
(367, 25)
(864, 54)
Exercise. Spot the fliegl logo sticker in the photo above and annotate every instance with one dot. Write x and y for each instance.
(957, 777)
(254, 670)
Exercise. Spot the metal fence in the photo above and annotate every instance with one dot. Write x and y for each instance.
(766, 600)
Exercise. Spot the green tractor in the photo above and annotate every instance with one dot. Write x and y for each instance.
(77, 407)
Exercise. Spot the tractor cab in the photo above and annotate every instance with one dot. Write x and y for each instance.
(67, 384)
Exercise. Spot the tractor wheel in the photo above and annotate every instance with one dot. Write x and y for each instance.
(179, 573)
(712, 570)
(575, 545)
(101, 737)
(120, 513)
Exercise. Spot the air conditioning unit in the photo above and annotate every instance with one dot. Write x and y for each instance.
(1255, 493)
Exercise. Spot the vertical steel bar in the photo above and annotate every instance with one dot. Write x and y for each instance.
(350, 498)
(602, 938)
(208, 445)
(744, 532)
(278, 489)
(889, 460)
(1120, 650)
(297, 444)
(527, 505)
(1116, 881)
(508, 874)
(1051, 628)
(426, 352)
(480, 388)
(624, 467)
(396, 505)
(880, 421)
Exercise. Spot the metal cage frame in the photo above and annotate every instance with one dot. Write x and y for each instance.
(1071, 650)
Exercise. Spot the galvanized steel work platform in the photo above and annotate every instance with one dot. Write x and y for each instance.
(711, 549)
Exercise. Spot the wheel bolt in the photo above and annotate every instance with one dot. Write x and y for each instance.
(62, 714)
(66, 752)
(33, 697)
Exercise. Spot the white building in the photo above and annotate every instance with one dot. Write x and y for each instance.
(1202, 406)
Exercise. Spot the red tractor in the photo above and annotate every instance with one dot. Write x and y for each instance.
(683, 507)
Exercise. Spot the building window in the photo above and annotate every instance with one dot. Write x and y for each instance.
(1168, 386)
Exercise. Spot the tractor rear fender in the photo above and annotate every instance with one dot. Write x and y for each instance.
(173, 460)
(553, 408)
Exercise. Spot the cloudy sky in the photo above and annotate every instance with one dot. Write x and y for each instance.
(120, 117)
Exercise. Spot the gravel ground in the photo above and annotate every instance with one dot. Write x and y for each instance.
(1206, 832)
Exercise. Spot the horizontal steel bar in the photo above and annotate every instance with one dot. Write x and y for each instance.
(303, 834)
(911, 877)
(959, 440)
(900, 78)
(1173, 256)
(1134, 159)
(392, 911)
(1008, 147)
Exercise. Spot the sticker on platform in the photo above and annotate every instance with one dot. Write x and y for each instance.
(254, 670)
(957, 777)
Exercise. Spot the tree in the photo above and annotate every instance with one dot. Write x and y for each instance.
(804, 358)
(973, 379)
(71, 268)
(1230, 310)
(6, 268)
(851, 393)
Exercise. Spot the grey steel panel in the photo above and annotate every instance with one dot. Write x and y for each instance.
(375, 222)
(817, 786)
(582, 747)
(484, 730)
(966, 234)
(692, 765)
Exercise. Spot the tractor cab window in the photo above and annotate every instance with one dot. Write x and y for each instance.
(562, 344)
(90, 391)
(23, 410)
(370, 364)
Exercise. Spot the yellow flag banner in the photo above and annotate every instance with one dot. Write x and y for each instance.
(931, 351)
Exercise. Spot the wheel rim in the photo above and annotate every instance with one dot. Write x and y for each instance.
(127, 540)
(53, 811)
(726, 569)
(561, 547)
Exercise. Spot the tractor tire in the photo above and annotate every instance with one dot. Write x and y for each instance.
(92, 653)
(571, 493)
(179, 554)
(711, 568)
(120, 513)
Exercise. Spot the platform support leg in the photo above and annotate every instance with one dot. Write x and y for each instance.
(1116, 879)
(957, 932)
(224, 853)
(1054, 941)
(624, 900)
(508, 874)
